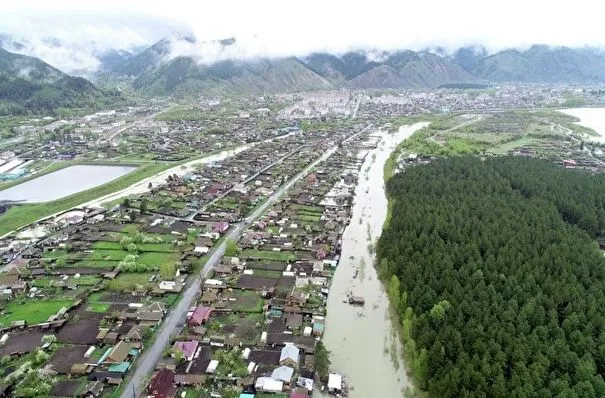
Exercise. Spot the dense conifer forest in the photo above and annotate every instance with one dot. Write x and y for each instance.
(494, 269)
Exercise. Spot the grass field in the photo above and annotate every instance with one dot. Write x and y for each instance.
(508, 146)
(21, 215)
(98, 307)
(247, 301)
(33, 311)
(129, 281)
(268, 255)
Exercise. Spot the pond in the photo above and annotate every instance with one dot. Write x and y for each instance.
(62, 183)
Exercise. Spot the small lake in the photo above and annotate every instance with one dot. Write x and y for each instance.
(593, 118)
(64, 182)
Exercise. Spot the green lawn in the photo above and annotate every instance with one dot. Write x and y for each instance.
(32, 311)
(247, 301)
(129, 281)
(21, 215)
(309, 218)
(98, 307)
(267, 273)
(503, 149)
(268, 255)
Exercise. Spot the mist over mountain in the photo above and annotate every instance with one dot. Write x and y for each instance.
(182, 65)
(28, 85)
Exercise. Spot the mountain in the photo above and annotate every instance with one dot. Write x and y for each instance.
(182, 66)
(405, 69)
(144, 60)
(467, 57)
(182, 76)
(112, 59)
(159, 70)
(543, 64)
(28, 84)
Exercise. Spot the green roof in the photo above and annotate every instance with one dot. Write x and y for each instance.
(121, 367)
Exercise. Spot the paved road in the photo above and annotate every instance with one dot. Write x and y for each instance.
(177, 316)
(247, 180)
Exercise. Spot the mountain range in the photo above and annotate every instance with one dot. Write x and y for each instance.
(182, 66)
(28, 84)
(157, 70)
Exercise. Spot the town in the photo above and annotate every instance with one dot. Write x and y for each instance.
(205, 269)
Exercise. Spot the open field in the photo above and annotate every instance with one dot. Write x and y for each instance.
(32, 311)
(129, 281)
(268, 255)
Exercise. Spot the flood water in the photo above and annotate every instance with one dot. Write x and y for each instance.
(64, 182)
(364, 344)
(593, 118)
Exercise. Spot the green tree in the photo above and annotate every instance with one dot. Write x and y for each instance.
(322, 361)
(231, 249)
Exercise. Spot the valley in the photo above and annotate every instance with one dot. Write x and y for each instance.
(200, 217)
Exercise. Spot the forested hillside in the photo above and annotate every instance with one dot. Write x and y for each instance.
(29, 85)
(499, 294)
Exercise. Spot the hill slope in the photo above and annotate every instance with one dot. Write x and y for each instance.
(182, 76)
(543, 64)
(28, 84)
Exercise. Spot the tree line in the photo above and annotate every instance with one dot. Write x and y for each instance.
(496, 277)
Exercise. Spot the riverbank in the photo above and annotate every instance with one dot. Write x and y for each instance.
(364, 343)
(593, 118)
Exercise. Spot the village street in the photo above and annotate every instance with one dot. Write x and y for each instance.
(146, 363)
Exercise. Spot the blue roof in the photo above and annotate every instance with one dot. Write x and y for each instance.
(121, 367)
(246, 395)
(318, 326)
(104, 356)
(133, 352)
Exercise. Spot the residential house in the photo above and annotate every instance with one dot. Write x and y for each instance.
(119, 353)
(289, 355)
(162, 384)
(284, 374)
(188, 348)
(135, 334)
(93, 389)
(200, 316)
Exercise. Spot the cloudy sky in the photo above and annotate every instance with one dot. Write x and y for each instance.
(278, 27)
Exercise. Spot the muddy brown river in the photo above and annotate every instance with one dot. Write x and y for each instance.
(364, 344)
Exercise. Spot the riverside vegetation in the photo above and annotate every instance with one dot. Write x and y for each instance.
(496, 277)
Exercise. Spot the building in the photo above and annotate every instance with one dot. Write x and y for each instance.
(200, 316)
(162, 384)
(188, 348)
(289, 356)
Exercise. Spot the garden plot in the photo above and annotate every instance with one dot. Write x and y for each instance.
(84, 331)
(22, 342)
(32, 312)
(243, 327)
(65, 357)
(246, 301)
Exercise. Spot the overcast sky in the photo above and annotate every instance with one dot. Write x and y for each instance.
(282, 27)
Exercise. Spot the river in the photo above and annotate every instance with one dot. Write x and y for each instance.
(593, 118)
(363, 341)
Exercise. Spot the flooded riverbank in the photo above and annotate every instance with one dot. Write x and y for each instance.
(593, 118)
(363, 341)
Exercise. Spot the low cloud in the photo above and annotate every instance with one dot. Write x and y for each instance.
(269, 28)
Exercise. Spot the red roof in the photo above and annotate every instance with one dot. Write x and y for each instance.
(295, 394)
(162, 385)
(200, 315)
(188, 348)
(221, 226)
